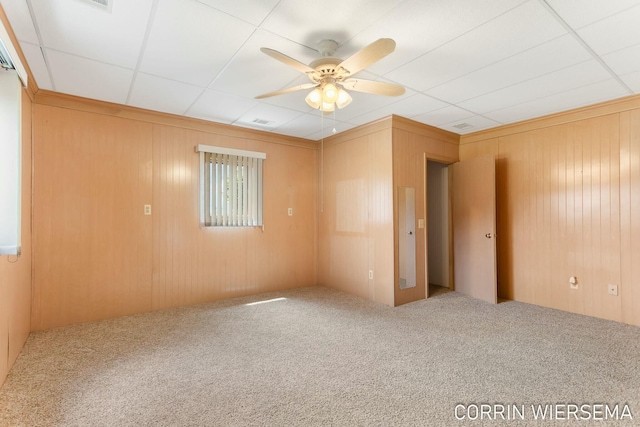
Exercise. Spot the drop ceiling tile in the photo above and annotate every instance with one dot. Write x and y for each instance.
(476, 123)
(33, 55)
(633, 81)
(362, 103)
(274, 116)
(191, 42)
(254, 12)
(87, 78)
(409, 107)
(484, 56)
(419, 26)
(513, 32)
(328, 131)
(579, 75)
(307, 21)
(252, 73)
(613, 33)
(313, 124)
(75, 27)
(20, 18)
(624, 61)
(301, 126)
(578, 13)
(157, 93)
(575, 98)
(291, 101)
(542, 59)
(294, 100)
(220, 107)
(444, 115)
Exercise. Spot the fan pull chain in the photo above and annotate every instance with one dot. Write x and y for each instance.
(334, 122)
(321, 161)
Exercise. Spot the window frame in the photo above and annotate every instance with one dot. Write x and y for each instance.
(204, 151)
(10, 163)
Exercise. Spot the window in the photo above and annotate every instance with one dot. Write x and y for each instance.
(11, 72)
(10, 159)
(230, 187)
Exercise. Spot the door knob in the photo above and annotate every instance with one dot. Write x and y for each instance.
(410, 233)
(488, 235)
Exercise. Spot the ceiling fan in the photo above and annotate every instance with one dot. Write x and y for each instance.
(330, 76)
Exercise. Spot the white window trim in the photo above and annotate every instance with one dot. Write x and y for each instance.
(230, 151)
(7, 46)
(202, 149)
(10, 162)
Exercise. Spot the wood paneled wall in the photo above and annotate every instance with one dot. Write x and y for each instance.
(193, 264)
(92, 242)
(15, 272)
(568, 194)
(358, 228)
(98, 256)
(356, 218)
(630, 215)
(413, 145)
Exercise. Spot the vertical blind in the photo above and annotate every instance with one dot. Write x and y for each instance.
(231, 183)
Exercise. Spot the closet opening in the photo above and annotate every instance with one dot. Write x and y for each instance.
(439, 267)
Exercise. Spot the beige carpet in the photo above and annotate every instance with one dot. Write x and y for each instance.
(321, 357)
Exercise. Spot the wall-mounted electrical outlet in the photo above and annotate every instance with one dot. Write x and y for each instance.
(290, 211)
(147, 209)
(370, 274)
(612, 289)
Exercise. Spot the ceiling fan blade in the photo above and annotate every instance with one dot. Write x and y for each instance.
(287, 60)
(367, 56)
(289, 90)
(369, 86)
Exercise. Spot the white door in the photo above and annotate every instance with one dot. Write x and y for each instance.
(474, 228)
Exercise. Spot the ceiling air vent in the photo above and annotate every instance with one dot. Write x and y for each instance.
(105, 5)
(263, 122)
(463, 126)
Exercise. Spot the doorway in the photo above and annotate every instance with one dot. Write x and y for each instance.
(438, 229)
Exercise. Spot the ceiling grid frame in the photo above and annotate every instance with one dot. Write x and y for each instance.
(234, 79)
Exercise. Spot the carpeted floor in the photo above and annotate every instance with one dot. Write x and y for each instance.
(322, 357)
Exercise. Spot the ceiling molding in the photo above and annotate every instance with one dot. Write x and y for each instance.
(608, 107)
(54, 99)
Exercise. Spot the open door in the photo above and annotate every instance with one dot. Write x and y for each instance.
(474, 228)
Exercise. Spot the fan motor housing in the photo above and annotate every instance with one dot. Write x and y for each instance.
(325, 65)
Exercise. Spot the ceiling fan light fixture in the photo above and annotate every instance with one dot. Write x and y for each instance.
(327, 107)
(314, 99)
(330, 76)
(344, 98)
(329, 93)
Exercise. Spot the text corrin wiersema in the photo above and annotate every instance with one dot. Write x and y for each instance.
(544, 411)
